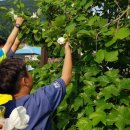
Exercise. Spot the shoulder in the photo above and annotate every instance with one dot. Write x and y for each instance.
(59, 83)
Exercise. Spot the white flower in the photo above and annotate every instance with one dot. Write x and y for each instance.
(61, 40)
(72, 5)
(15, 16)
(34, 15)
(12, 12)
(81, 53)
(18, 119)
(43, 30)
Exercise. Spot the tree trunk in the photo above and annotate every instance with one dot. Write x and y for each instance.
(44, 57)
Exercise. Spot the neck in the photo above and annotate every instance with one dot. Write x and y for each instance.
(19, 95)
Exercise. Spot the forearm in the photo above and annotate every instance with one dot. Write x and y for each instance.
(13, 35)
(67, 67)
(11, 40)
(15, 45)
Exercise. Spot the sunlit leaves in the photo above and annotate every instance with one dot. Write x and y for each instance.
(70, 28)
(108, 56)
(109, 92)
(83, 123)
(120, 117)
(111, 56)
(122, 33)
(59, 21)
(98, 116)
(99, 56)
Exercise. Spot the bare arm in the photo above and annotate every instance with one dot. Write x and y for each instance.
(15, 45)
(12, 36)
(67, 67)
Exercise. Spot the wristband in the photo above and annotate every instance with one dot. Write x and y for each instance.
(17, 25)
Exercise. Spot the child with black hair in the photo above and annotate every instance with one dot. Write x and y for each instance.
(16, 80)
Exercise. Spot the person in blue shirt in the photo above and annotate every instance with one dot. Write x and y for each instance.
(16, 80)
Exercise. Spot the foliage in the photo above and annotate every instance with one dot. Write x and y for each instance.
(98, 96)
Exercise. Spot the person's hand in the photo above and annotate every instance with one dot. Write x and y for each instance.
(67, 47)
(19, 20)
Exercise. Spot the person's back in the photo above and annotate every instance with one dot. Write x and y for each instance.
(40, 105)
(16, 80)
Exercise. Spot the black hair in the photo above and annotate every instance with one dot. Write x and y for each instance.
(2, 41)
(11, 72)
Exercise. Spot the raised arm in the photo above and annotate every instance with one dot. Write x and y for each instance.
(67, 67)
(13, 35)
(15, 45)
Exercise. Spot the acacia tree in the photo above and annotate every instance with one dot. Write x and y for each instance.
(98, 96)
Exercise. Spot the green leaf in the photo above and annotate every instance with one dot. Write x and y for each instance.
(125, 83)
(83, 32)
(72, 128)
(109, 92)
(78, 102)
(49, 44)
(81, 18)
(70, 28)
(89, 89)
(37, 37)
(60, 20)
(111, 42)
(111, 56)
(112, 73)
(102, 105)
(122, 33)
(84, 124)
(92, 19)
(103, 80)
(98, 116)
(99, 56)
(3, 8)
(35, 31)
(89, 4)
(89, 110)
(120, 117)
(63, 106)
(91, 71)
(82, 2)
(39, 11)
(63, 120)
(123, 118)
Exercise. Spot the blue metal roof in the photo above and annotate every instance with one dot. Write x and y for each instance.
(29, 50)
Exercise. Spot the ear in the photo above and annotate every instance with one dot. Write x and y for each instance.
(24, 82)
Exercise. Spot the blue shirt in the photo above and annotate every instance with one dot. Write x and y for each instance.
(40, 105)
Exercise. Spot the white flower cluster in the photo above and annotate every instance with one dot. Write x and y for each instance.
(18, 119)
(13, 14)
(61, 40)
(34, 16)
